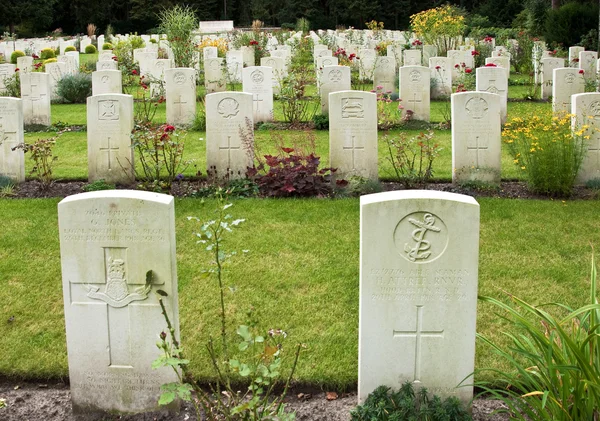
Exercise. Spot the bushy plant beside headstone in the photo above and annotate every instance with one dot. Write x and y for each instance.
(75, 88)
(15, 55)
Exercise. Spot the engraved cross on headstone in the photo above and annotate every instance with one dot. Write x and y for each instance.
(228, 148)
(256, 99)
(8, 140)
(108, 151)
(353, 148)
(414, 100)
(476, 148)
(418, 334)
(179, 102)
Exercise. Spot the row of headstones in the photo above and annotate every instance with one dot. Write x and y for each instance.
(418, 260)
(476, 133)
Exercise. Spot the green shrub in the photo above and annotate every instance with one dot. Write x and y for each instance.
(90, 49)
(321, 121)
(153, 41)
(97, 186)
(107, 46)
(16, 54)
(47, 53)
(569, 24)
(70, 48)
(386, 405)
(547, 151)
(56, 51)
(75, 88)
(554, 358)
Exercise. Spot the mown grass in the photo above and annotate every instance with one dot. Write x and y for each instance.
(301, 275)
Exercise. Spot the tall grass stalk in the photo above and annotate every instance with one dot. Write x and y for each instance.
(555, 360)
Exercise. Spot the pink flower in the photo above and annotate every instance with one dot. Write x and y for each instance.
(379, 87)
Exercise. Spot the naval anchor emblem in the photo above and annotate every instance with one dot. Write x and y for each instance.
(421, 237)
(116, 293)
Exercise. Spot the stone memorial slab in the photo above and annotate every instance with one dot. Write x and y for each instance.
(215, 75)
(384, 74)
(36, 95)
(441, 75)
(412, 57)
(586, 112)
(210, 52)
(107, 65)
(567, 81)
(587, 63)
(493, 80)
(476, 137)
(157, 75)
(419, 254)
(277, 65)
(353, 134)
(547, 75)
(6, 71)
(366, 64)
(181, 96)
(258, 81)
(503, 62)
(75, 60)
(25, 64)
(146, 60)
(109, 240)
(109, 126)
(12, 163)
(574, 55)
(107, 82)
(333, 79)
(235, 64)
(106, 55)
(415, 87)
(227, 157)
(247, 55)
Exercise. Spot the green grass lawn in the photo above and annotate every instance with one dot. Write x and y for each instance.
(301, 275)
(302, 271)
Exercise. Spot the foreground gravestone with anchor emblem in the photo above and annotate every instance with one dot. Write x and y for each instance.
(418, 291)
(109, 241)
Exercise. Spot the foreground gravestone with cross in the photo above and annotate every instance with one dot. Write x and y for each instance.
(353, 134)
(418, 291)
(258, 81)
(476, 137)
(109, 241)
(229, 135)
(110, 122)
(35, 93)
(415, 84)
(12, 162)
(180, 86)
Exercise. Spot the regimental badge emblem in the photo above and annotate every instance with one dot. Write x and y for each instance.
(228, 108)
(477, 108)
(421, 237)
(257, 76)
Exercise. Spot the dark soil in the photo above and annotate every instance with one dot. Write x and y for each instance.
(52, 402)
(508, 189)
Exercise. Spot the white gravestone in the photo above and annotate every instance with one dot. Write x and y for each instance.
(226, 155)
(418, 291)
(456, 57)
(353, 134)
(70, 62)
(476, 137)
(586, 112)
(235, 64)
(25, 64)
(74, 60)
(247, 55)
(109, 240)
(587, 62)
(321, 63)
(56, 71)
(215, 75)
(412, 57)
(157, 75)
(277, 64)
(415, 86)
(12, 163)
(258, 81)
(210, 52)
(548, 66)
(366, 63)
(493, 80)
(146, 60)
(574, 55)
(567, 81)
(109, 126)
(384, 74)
(105, 55)
(107, 82)
(441, 75)
(428, 52)
(107, 65)
(503, 62)
(181, 96)
(6, 71)
(333, 79)
(36, 95)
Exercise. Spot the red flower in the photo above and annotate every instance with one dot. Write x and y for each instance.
(581, 71)
(456, 66)
(169, 128)
(417, 42)
(17, 69)
(115, 58)
(253, 42)
(488, 39)
(575, 60)
(352, 56)
(474, 52)
(490, 65)
(437, 67)
(468, 70)
(164, 136)
(134, 72)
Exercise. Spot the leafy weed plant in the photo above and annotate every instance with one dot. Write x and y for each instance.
(554, 356)
(40, 152)
(412, 157)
